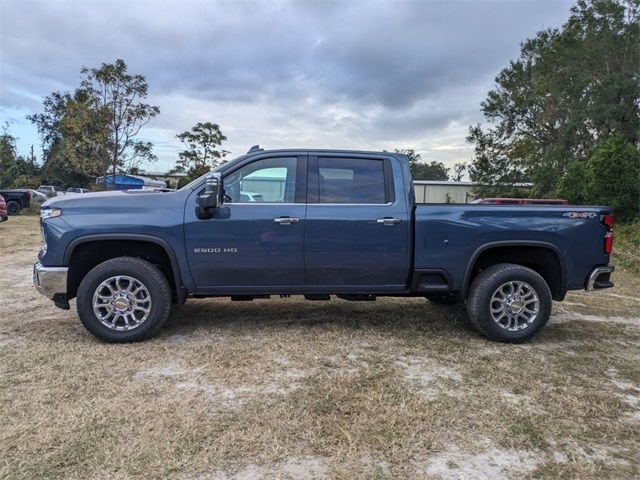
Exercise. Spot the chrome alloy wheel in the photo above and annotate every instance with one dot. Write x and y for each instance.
(514, 305)
(122, 303)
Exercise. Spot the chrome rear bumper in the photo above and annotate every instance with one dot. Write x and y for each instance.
(50, 281)
(599, 278)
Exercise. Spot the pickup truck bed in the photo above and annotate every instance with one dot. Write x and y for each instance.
(315, 223)
(462, 239)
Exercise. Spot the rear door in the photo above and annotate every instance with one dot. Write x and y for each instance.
(357, 235)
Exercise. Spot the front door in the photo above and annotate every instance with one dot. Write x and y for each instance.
(358, 231)
(256, 238)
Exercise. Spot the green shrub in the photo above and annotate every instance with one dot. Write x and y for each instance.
(626, 246)
(26, 181)
(610, 176)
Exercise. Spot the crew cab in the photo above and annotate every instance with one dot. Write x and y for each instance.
(318, 223)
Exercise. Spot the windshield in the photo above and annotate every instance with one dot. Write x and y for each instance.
(194, 183)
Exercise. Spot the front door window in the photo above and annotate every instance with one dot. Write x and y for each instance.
(272, 180)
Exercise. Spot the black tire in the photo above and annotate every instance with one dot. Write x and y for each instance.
(479, 302)
(146, 273)
(13, 207)
(442, 299)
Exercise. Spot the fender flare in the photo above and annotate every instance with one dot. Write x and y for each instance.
(513, 243)
(181, 293)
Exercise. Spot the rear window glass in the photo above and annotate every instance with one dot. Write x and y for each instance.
(351, 180)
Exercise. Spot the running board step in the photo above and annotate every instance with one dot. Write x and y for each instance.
(357, 297)
(319, 296)
(247, 298)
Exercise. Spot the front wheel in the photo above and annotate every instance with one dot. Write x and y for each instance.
(123, 300)
(13, 207)
(509, 303)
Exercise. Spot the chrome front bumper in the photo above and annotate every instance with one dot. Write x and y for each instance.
(50, 281)
(599, 278)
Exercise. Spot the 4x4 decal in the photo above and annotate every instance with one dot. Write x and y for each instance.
(579, 214)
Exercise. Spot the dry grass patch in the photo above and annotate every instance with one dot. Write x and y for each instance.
(492, 463)
(294, 389)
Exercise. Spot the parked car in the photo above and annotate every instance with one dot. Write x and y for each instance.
(77, 190)
(341, 223)
(50, 190)
(3, 209)
(16, 200)
(251, 197)
(521, 201)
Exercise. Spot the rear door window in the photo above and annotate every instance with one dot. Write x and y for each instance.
(351, 180)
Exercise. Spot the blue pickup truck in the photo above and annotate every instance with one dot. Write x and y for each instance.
(315, 223)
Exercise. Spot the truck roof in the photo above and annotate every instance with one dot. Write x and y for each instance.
(255, 150)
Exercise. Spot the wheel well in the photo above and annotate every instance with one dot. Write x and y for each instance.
(540, 259)
(90, 254)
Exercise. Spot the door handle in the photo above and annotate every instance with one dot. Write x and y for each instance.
(286, 220)
(388, 221)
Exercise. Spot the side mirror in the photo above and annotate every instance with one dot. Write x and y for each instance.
(212, 197)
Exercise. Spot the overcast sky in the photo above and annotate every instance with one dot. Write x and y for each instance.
(364, 75)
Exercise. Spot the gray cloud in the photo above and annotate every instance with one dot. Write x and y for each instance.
(351, 74)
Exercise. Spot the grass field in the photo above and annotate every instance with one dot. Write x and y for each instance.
(294, 389)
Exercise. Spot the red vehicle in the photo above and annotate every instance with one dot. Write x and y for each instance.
(3, 209)
(521, 201)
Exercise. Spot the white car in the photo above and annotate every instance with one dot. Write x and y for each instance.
(50, 190)
(37, 197)
(252, 197)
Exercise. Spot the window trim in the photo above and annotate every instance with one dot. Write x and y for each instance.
(313, 184)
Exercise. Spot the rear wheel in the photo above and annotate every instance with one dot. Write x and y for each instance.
(13, 207)
(509, 303)
(124, 299)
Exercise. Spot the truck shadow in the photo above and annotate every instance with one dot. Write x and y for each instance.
(402, 318)
(390, 315)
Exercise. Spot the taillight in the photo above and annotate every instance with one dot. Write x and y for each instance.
(608, 221)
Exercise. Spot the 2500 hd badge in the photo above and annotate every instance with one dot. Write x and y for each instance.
(216, 250)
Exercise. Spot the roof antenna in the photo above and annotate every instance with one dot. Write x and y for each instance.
(255, 148)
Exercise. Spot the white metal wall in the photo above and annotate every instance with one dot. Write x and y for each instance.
(438, 193)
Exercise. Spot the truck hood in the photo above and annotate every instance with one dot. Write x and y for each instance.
(105, 200)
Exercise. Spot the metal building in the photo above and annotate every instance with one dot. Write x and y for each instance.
(443, 191)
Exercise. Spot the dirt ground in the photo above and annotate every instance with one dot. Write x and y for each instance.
(293, 389)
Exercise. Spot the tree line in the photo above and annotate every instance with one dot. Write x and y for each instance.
(94, 130)
(564, 117)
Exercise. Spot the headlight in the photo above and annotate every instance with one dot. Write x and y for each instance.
(50, 213)
(43, 245)
(44, 214)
